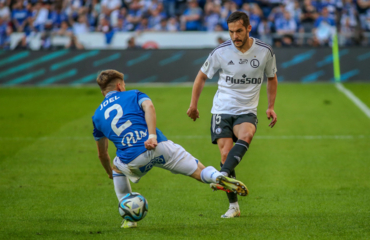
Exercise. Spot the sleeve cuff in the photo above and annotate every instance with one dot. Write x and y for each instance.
(142, 100)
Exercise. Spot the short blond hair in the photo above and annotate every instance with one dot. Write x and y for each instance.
(108, 77)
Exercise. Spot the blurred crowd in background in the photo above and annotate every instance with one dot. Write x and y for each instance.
(277, 22)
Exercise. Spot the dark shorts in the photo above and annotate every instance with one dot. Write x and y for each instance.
(222, 125)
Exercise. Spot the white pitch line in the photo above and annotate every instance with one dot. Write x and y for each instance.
(286, 137)
(354, 99)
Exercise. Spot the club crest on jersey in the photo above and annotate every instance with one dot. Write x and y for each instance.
(231, 63)
(242, 61)
(218, 130)
(255, 63)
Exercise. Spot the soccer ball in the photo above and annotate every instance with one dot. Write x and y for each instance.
(133, 207)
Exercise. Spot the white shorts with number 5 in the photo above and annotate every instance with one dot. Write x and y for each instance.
(167, 155)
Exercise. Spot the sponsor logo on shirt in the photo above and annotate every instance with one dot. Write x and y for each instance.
(242, 61)
(231, 63)
(244, 80)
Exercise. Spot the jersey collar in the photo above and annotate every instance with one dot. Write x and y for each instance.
(110, 94)
(248, 51)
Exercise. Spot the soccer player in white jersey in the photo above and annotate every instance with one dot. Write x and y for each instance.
(242, 63)
(128, 119)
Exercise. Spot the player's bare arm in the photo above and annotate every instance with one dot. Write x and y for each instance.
(199, 82)
(102, 145)
(271, 96)
(151, 121)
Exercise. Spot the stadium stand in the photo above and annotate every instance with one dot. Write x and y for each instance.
(39, 24)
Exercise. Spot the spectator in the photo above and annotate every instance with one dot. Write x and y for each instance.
(110, 9)
(41, 14)
(323, 29)
(131, 44)
(143, 26)
(135, 13)
(64, 30)
(173, 25)
(169, 7)
(123, 25)
(211, 16)
(57, 17)
(74, 44)
(20, 17)
(81, 26)
(246, 8)
(347, 31)
(255, 19)
(363, 9)
(3, 31)
(286, 28)
(264, 31)
(161, 27)
(276, 13)
(331, 6)
(107, 29)
(4, 11)
(308, 17)
(191, 19)
(155, 18)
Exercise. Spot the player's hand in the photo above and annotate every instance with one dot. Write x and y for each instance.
(151, 143)
(193, 113)
(110, 175)
(271, 114)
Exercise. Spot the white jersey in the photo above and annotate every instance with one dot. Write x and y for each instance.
(241, 76)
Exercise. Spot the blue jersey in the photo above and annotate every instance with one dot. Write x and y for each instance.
(121, 119)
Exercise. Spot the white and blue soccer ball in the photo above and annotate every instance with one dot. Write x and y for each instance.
(133, 207)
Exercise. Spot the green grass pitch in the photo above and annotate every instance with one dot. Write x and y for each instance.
(309, 177)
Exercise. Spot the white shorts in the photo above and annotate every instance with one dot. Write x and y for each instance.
(167, 155)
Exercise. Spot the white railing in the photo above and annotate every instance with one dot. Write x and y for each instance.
(163, 40)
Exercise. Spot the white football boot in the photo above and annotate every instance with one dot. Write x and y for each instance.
(232, 213)
(127, 224)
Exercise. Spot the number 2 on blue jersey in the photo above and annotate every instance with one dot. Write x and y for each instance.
(117, 130)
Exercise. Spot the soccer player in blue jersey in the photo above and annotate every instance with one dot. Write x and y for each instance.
(128, 119)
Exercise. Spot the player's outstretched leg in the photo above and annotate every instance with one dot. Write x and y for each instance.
(211, 175)
(127, 224)
(122, 187)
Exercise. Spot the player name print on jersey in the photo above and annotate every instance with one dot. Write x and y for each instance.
(110, 100)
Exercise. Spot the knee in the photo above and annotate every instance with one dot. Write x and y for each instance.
(247, 137)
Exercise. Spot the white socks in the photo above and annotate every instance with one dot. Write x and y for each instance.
(209, 175)
(234, 205)
(121, 185)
